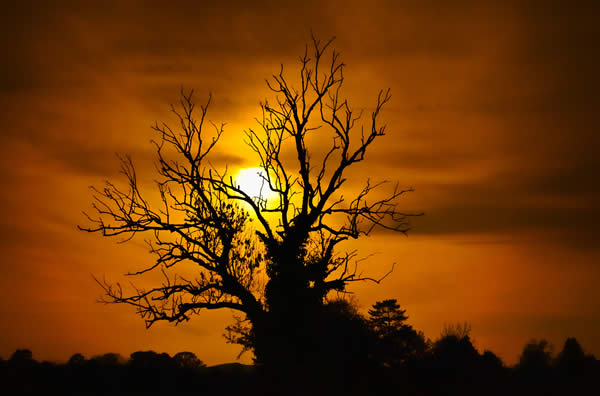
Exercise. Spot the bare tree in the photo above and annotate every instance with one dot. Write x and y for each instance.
(207, 220)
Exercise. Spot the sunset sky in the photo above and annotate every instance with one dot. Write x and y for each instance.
(494, 120)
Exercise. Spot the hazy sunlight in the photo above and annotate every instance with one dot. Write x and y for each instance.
(252, 182)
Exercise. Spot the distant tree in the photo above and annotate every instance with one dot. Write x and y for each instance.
(22, 358)
(455, 349)
(76, 359)
(150, 359)
(344, 330)
(491, 361)
(346, 307)
(397, 342)
(108, 359)
(273, 261)
(571, 360)
(492, 372)
(576, 373)
(458, 330)
(21, 355)
(386, 317)
(536, 356)
(188, 360)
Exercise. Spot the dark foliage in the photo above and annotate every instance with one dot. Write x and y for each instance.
(397, 343)
(450, 366)
(144, 371)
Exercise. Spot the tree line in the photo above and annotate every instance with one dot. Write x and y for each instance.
(380, 354)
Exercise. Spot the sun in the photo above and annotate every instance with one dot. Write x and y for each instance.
(252, 182)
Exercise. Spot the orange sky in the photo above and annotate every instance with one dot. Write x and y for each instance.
(493, 120)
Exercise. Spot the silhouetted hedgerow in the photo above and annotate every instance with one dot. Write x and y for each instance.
(379, 355)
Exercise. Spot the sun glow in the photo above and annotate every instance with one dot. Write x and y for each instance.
(253, 182)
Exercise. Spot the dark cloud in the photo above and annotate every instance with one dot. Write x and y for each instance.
(515, 202)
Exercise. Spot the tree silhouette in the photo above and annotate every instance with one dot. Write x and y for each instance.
(397, 342)
(571, 360)
(108, 359)
(232, 239)
(536, 355)
(22, 355)
(150, 359)
(188, 360)
(454, 348)
(76, 359)
(534, 366)
(22, 358)
(457, 330)
(386, 316)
